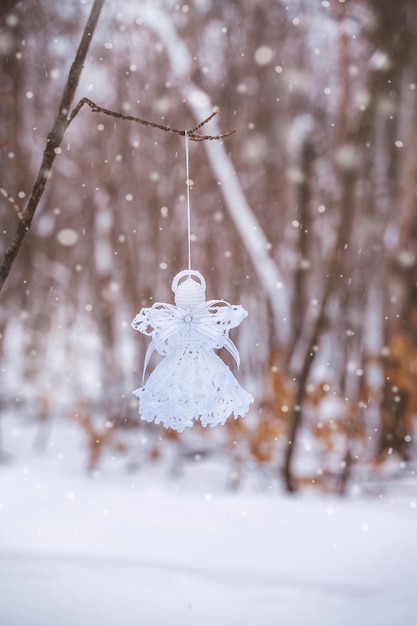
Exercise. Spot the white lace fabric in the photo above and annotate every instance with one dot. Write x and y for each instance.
(191, 382)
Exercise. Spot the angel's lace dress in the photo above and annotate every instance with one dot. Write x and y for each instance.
(191, 382)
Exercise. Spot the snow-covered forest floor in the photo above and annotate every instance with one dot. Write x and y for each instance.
(146, 548)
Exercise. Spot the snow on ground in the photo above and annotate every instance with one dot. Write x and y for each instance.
(147, 549)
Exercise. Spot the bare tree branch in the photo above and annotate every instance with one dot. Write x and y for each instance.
(56, 134)
(53, 141)
(191, 132)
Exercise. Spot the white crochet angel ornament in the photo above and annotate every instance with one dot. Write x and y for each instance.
(191, 382)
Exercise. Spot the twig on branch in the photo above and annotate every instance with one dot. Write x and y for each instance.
(54, 140)
(191, 132)
(12, 201)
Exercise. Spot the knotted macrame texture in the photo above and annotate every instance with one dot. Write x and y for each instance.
(191, 382)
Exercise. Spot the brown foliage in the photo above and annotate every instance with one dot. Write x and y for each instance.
(399, 401)
(99, 438)
(272, 413)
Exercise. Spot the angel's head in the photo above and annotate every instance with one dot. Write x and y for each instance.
(191, 291)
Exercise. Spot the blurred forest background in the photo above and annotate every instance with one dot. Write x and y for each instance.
(306, 216)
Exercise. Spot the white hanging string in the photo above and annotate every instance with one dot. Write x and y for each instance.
(188, 183)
